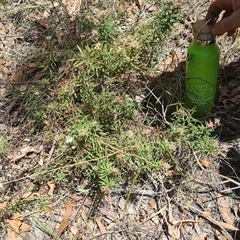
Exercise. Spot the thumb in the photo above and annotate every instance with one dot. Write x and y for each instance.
(227, 24)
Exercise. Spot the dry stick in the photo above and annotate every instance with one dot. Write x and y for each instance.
(142, 192)
(210, 219)
(164, 111)
(154, 215)
(55, 169)
(77, 213)
(141, 158)
(88, 227)
(131, 188)
(11, 36)
(130, 154)
(131, 227)
(18, 82)
(170, 220)
(204, 214)
(51, 153)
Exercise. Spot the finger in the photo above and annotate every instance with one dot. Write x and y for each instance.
(227, 14)
(227, 24)
(231, 33)
(217, 7)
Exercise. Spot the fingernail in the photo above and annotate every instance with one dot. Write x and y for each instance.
(214, 31)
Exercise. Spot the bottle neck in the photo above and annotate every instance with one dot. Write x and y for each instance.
(204, 43)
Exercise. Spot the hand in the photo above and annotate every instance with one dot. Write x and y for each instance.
(231, 18)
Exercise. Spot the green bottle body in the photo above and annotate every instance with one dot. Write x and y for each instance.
(201, 77)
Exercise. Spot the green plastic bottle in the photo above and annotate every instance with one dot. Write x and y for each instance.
(202, 70)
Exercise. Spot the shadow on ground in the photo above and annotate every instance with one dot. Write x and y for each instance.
(165, 92)
(228, 111)
(228, 103)
(167, 89)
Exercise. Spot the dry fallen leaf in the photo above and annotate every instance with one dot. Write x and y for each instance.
(220, 235)
(201, 236)
(224, 226)
(3, 30)
(11, 235)
(109, 214)
(25, 227)
(225, 210)
(89, 223)
(166, 64)
(13, 231)
(27, 194)
(205, 163)
(170, 215)
(153, 204)
(43, 190)
(100, 226)
(22, 152)
(32, 65)
(29, 191)
(223, 91)
(227, 226)
(235, 91)
(18, 216)
(139, 3)
(41, 161)
(3, 205)
(173, 231)
(74, 230)
(51, 188)
(65, 221)
(14, 224)
(72, 6)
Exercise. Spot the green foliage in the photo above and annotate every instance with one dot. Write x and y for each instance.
(111, 156)
(105, 174)
(187, 131)
(35, 106)
(41, 203)
(20, 204)
(142, 150)
(98, 136)
(107, 29)
(102, 105)
(103, 60)
(44, 228)
(3, 145)
(61, 176)
(97, 128)
(169, 14)
(152, 32)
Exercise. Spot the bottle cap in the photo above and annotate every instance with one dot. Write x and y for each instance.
(202, 30)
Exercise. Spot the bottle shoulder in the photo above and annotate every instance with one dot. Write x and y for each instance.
(195, 45)
(212, 49)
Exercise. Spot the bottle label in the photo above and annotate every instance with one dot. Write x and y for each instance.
(198, 100)
(201, 95)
